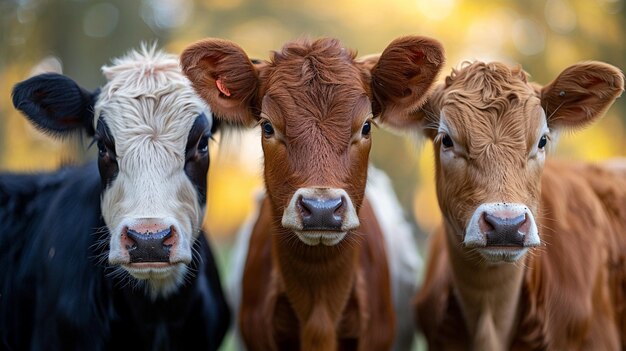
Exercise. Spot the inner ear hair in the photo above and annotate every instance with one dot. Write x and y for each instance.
(581, 94)
(224, 76)
(403, 77)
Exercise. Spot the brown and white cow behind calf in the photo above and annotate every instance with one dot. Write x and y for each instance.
(530, 256)
(316, 275)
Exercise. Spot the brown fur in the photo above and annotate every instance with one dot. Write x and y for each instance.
(317, 98)
(570, 292)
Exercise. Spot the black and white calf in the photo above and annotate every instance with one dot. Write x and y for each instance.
(141, 209)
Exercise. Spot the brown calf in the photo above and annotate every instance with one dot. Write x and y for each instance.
(491, 130)
(316, 276)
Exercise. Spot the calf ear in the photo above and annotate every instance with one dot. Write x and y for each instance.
(402, 78)
(55, 104)
(223, 75)
(581, 94)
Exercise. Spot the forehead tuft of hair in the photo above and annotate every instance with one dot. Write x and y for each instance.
(486, 105)
(488, 85)
(305, 47)
(148, 96)
(317, 85)
(323, 60)
(142, 70)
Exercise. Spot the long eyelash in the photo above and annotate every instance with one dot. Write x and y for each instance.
(438, 137)
(207, 133)
(93, 141)
(262, 118)
(431, 125)
(432, 118)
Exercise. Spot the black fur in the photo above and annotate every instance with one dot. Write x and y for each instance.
(57, 292)
(55, 104)
(107, 158)
(197, 162)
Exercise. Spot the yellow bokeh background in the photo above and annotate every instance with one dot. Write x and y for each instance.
(78, 37)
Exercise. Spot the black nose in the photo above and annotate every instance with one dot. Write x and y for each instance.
(149, 247)
(321, 214)
(505, 230)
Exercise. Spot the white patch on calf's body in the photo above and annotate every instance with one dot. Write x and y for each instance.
(238, 257)
(405, 263)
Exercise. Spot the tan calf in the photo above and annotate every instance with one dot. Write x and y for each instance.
(528, 257)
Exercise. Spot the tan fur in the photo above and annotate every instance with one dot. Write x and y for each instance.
(567, 294)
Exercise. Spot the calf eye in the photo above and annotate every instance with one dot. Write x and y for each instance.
(102, 149)
(367, 127)
(446, 141)
(268, 130)
(203, 144)
(542, 142)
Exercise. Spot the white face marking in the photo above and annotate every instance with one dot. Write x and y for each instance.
(292, 218)
(313, 238)
(149, 107)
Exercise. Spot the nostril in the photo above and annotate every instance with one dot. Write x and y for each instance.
(338, 209)
(303, 205)
(524, 227)
(170, 238)
(491, 220)
(485, 224)
(127, 239)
